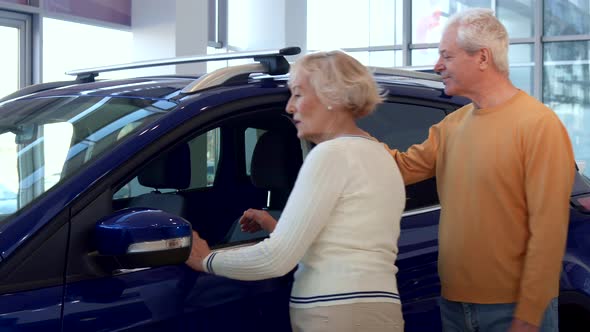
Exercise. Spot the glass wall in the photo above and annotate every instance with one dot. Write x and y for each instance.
(566, 17)
(549, 52)
(518, 17)
(370, 30)
(430, 17)
(566, 70)
(566, 78)
(86, 46)
(9, 62)
(520, 57)
(15, 34)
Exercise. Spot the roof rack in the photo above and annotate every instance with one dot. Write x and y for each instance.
(408, 72)
(273, 60)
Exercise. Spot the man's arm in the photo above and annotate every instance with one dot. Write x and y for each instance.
(549, 175)
(419, 161)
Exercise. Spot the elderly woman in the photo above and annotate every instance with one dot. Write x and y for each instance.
(342, 221)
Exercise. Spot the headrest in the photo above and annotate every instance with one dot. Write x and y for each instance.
(276, 160)
(172, 170)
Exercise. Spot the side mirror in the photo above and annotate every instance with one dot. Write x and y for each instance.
(141, 237)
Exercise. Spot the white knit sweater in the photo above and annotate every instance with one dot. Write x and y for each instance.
(341, 224)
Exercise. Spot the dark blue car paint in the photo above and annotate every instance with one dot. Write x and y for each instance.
(576, 265)
(172, 298)
(177, 298)
(31, 311)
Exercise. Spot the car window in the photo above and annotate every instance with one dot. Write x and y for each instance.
(400, 125)
(251, 136)
(204, 159)
(204, 153)
(220, 186)
(43, 141)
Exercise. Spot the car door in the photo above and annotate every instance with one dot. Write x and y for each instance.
(31, 287)
(176, 298)
(400, 123)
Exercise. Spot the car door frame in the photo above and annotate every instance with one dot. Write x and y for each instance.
(84, 272)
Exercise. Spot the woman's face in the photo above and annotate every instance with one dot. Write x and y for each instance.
(312, 118)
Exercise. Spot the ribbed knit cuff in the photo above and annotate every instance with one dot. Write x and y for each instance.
(208, 263)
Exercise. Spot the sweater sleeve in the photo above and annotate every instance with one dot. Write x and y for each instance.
(419, 161)
(316, 191)
(549, 175)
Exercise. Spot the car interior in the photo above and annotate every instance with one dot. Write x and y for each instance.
(250, 161)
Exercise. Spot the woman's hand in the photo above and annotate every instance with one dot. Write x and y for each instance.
(199, 250)
(254, 220)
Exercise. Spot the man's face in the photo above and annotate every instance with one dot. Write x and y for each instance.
(459, 69)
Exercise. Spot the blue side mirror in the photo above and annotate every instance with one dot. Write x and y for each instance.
(141, 237)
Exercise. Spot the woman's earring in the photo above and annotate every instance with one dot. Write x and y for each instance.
(329, 108)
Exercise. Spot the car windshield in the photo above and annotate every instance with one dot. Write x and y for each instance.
(43, 140)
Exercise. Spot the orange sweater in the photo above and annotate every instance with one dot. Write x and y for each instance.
(504, 178)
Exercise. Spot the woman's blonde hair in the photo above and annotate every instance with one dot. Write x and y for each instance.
(339, 79)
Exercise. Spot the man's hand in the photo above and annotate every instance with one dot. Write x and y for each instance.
(199, 250)
(254, 220)
(522, 326)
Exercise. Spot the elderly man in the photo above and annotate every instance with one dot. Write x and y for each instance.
(505, 168)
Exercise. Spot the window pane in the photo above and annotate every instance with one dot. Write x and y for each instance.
(9, 80)
(566, 89)
(566, 17)
(386, 22)
(86, 46)
(521, 62)
(386, 59)
(47, 139)
(251, 24)
(251, 136)
(9, 180)
(401, 125)
(204, 157)
(517, 16)
(354, 24)
(204, 151)
(429, 17)
(213, 146)
(425, 57)
(57, 142)
(379, 58)
(329, 29)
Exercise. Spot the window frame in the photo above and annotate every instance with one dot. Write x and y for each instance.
(24, 24)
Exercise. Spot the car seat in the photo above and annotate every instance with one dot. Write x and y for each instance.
(276, 160)
(172, 170)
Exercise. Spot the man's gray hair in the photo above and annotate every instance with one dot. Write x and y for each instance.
(478, 28)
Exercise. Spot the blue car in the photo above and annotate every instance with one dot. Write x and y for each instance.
(113, 175)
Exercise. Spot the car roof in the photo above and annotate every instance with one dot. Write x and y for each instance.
(271, 65)
(145, 87)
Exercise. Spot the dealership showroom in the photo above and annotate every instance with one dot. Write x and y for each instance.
(146, 158)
